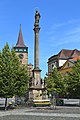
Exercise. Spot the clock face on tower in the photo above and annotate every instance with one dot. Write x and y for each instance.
(21, 56)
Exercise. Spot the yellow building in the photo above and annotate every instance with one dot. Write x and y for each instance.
(67, 66)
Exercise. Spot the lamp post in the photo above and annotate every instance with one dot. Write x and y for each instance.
(67, 95)
(53, 99)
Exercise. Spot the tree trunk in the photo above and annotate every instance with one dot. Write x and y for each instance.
(5, 103)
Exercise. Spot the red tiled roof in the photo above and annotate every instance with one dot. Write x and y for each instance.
(67, 54)
(75, 53)
(64, 53)
(75, 58)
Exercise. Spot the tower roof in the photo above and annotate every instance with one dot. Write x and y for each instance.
(20, 42)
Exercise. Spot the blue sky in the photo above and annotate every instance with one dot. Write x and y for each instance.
(60, 26)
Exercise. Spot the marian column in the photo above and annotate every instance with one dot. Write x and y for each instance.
(37, 88)
(36, 42)
(36, 71)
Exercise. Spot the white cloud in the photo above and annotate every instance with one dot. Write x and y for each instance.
(67, 35)
(75, 39)
(73, 21)
(76, 30)
(65, 24)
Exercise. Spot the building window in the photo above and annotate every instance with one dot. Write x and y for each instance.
(24, 49)
(20, 49)
(53, 65)
(16, 49)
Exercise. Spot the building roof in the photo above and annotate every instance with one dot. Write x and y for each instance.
(75, 53)
(66, 54)
(75, 58)
(20, 42)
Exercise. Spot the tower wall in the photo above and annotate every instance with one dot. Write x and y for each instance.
(23, 60)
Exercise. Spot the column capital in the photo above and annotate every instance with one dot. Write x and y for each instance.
(36, 29)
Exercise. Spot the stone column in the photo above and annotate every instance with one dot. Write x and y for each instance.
(36, 43)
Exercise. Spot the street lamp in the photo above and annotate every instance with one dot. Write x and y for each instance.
(53, 99)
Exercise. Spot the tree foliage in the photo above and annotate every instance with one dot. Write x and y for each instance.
(6, 76)
(73, 81)
(55, 83)
(13, 76)
(22, 82)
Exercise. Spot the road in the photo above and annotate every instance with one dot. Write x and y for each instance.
(60, 113)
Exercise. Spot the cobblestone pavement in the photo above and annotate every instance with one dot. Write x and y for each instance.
(60, 113)
(24, 117)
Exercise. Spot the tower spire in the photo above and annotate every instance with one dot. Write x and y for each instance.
(20, 42)
(21, 49)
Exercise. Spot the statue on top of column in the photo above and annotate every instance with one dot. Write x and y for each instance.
(37, 17)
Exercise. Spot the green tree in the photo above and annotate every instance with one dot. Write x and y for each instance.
(6, 77)
(73, 81)
(22, 81)
(55, 83)
(13, 76)
(21, 76)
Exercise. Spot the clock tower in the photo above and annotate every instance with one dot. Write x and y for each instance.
(21, 49)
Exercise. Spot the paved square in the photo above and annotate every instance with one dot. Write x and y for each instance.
(61, 113)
